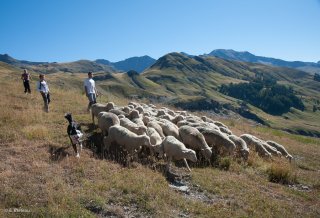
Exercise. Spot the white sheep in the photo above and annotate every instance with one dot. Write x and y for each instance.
(139, 130)
(218, 140)
(157, 127)
(192, 138)
(176, 150)
(241, 146)
(155, 138)
(140, 109)
(97, 108)
(256, 144)
(106, 120)
(129, 141)
(133, 114)
(280, 148)
(225, 130)
(177, 119)
(169, 128)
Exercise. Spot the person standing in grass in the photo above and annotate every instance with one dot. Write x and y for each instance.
(43, 88)
(90, 89)
(26, 78)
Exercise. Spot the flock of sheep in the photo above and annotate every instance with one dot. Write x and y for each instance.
(175, 135)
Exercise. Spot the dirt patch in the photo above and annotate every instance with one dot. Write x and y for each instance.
(180, 181)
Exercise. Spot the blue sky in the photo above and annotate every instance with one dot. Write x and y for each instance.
(68, 30)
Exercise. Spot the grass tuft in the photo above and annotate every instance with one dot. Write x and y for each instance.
(282, 174)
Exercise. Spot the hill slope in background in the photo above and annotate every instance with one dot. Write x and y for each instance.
(40, 176)
(245, 56)
(192, 83)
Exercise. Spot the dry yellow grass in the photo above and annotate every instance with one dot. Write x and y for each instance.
(63, 186)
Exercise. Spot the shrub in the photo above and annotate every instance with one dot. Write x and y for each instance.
(283, 174)
(225, 163)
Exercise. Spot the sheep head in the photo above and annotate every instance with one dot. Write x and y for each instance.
(109, 106)
(206, 153)
(191, 155)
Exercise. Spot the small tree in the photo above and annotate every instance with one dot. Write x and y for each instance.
(316, 77)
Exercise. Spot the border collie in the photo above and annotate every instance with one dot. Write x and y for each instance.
(74, 133)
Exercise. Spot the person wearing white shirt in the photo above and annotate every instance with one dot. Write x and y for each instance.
(90, 89)
(43, 88)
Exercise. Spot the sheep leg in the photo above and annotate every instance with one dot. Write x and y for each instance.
(168, 164)
(186, 163)
(92, 118)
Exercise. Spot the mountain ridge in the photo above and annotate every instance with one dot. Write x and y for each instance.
(246, 56)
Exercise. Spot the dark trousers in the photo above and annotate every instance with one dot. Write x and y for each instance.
(46, 101)
(26, 86)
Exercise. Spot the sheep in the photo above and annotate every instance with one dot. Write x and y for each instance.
(192, 138)
(169, 128)
(218, 140)
(133, 114)
(219, 124)
(225, 130)
(160, 112)
(138, 121)
(121, 116)
(117, 112)
(140, 109)
(157, 127)
(139, 130)
(155, 139)
(177, 119)
(106, 120)
(131, 107)
(176, 150)
(254, 143)
(126, 110)
(96, 109)
(128, 140)
(241, 146)
(207, 119)
(167, 117)
(280, 148)
(134, 104)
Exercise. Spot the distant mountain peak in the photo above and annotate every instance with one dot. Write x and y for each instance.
(246, 56)
(138, 64)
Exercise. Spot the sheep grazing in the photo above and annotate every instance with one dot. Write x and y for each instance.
(157, 127)
(117, 112)
(126, 110)
(177, 119)
(106, 120)
(121, 116)
(176, 150)
(129, 141)
(225, 130)
(134, 114)
(169, 128)
(97, 108)
(192, 138)
(155, 138)
(218, 140)
(140, 109)
(241, 146)
(254, 143)
(219, 124)
(139, 130)
(280, 148)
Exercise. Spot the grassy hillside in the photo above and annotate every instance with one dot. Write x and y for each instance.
(192, 83)
(40, 175)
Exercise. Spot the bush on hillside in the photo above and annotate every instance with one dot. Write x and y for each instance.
(283, 174)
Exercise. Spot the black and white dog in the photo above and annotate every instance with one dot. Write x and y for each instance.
(74, 133)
